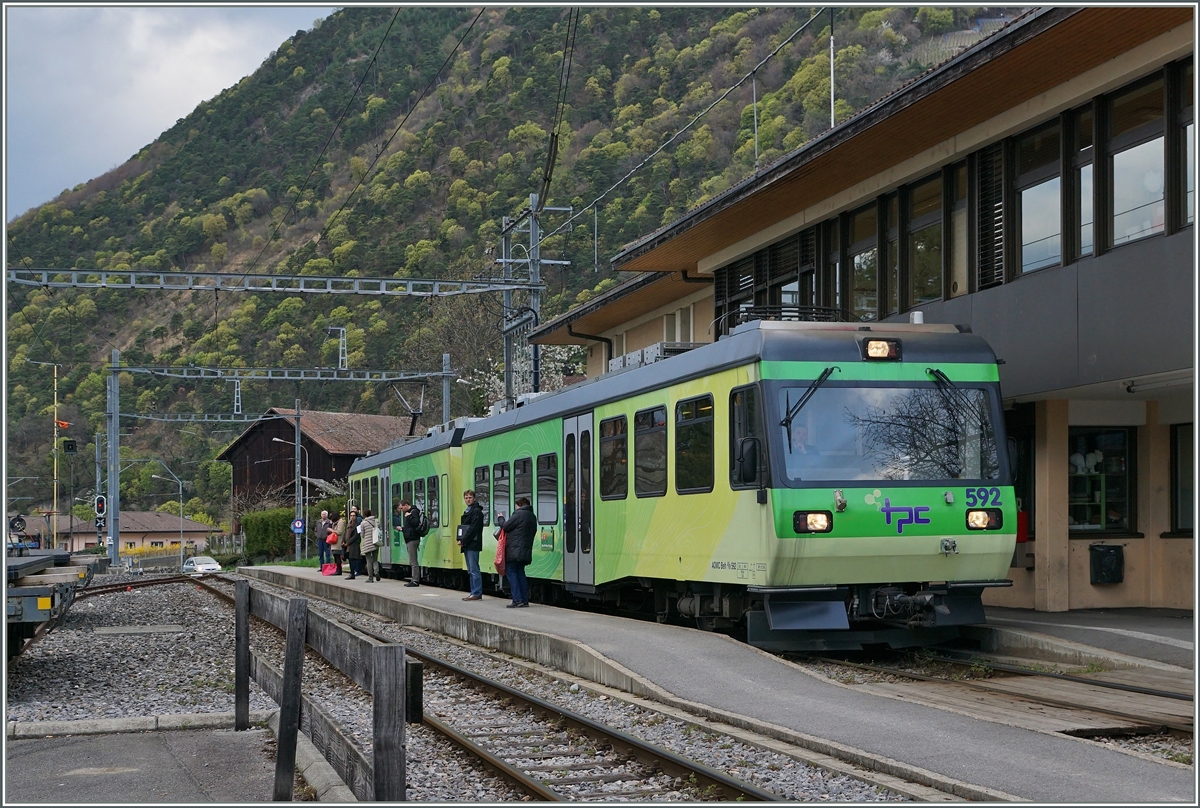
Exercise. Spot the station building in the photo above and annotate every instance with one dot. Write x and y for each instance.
(1038, 188)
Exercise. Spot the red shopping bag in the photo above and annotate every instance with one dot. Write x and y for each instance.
(329, 569)
(500, 541)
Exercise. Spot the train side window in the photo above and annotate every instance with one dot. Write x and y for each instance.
(523, 479)
(650, 452)
(547, 489)
(407, 492)
(745, 421)
(481, 492)
(435, 502)
(419, 496)
(500, 481)
(396, 495)
(374, 496)
(694, 430)
(614, 458)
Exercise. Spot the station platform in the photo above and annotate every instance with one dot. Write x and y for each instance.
(712, 675)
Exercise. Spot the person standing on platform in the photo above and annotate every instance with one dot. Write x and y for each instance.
(370, 545)
(324, 526)
(339, 547)
(470, 540)
(519, 530)
(353, 546)
(411, 526)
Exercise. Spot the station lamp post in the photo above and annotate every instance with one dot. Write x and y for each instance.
(155, 476)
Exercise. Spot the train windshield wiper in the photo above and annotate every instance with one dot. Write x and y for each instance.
(957, 403)
(800, 402)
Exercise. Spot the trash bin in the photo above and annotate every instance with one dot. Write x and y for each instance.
(1108, 563)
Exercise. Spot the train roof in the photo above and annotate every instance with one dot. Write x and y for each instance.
(755, 341)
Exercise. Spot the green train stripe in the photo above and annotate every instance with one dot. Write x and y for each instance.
(881, 371)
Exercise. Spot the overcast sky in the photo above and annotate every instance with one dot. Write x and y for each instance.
(87, 87)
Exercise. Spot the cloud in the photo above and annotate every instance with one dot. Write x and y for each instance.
(88, 87)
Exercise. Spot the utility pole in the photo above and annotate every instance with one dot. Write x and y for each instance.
(832, 117)
(114, 461)
(535, 274)
(506, 268)
(299, 504)
(445, 388)
(54, 516)
(99, 477)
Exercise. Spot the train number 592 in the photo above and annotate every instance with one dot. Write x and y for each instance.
(980, 497)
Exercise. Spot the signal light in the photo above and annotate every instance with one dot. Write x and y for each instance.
(101, 505)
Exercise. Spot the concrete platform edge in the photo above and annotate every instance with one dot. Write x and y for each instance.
(560, 653)
(1045, 648)
(140, 723)
(315, 769)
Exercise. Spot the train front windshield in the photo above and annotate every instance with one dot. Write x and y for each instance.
(909, 433)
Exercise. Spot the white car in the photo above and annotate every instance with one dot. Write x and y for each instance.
(198, 564)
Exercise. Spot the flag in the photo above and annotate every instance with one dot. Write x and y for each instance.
(61, 424)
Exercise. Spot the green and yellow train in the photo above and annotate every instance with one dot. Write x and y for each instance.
(804, 485)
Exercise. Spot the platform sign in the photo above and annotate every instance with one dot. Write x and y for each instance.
(298, 526)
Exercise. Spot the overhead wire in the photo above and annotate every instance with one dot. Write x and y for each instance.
(345, 111)
(333, 219)
(560, 105)
(681, 131)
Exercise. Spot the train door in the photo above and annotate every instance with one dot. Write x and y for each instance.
(385, 516)
(579, 565)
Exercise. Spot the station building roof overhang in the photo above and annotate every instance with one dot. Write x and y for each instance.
(1027, 58)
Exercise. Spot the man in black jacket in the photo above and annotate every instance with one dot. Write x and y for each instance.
(411, 527)
(470, 539)
(519, 530)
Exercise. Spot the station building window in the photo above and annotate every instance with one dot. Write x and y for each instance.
(547, 489)
(614, 458)
(1183, 479)
(1186, 129)
(156, 544)
(864, 263)
(129, 545)
(891, 259)
(1136, 162)
(925, 242)
(1083, 130)
(650, 452)
(1100, 491)
(481, 492)
(1039, 196)
(957, 239)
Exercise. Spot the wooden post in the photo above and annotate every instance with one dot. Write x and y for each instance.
(414, 691)
(241, 656)
(289, 707)
(387, 685)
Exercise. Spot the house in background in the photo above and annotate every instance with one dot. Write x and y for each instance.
(1039, 189)
(140, 530)
(264, 468)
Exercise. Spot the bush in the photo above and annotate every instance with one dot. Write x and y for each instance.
(269, 533)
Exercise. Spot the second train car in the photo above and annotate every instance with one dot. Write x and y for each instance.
(803, 485)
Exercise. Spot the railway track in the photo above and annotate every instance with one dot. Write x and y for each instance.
(566, 756)
(550, 752)
(1071, 696)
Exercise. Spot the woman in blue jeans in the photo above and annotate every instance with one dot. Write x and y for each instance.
(519, 530)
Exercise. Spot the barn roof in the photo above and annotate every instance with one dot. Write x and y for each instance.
(338, 433)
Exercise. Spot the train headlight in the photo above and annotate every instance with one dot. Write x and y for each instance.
(812, 521)
(881, 349)
(985, 519)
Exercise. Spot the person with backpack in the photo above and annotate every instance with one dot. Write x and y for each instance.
(370, 545)
(415, 528)
(519, 530)
(470, 541)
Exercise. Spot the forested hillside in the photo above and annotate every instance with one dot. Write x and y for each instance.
(327, 161)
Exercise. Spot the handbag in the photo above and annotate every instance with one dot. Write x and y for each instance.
(332, 538)
(328, 569)
(500, 545)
